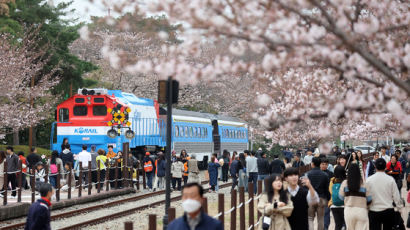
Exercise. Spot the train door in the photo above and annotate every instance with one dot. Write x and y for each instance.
(216, 137)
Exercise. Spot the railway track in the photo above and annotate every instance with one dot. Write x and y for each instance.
(106, 205)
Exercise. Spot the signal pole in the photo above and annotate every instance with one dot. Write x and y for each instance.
(168, 154)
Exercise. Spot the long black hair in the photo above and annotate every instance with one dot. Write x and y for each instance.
(242, 159)
(283, 194)
(340, 174)
(354, 178)
(54, 156)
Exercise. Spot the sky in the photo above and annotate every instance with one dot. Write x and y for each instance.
(84, 8)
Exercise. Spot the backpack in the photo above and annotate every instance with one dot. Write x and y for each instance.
(53, 168)
(335, 195)
(148, 166)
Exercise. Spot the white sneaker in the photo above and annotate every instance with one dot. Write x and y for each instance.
(13, 197)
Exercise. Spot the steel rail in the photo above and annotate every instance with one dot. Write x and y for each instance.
(94, 208)
(125, 212)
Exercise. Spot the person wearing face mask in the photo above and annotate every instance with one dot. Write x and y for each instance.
(194, 217)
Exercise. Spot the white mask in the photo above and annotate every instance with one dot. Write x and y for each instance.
(190, 205)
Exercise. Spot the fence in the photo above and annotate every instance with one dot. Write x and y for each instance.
(116, 175)
(234, 207)
(233, 211)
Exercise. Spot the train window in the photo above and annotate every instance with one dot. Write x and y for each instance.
(181, 131)
(99, 110)
(80, 110)
(230, 134)
(195, 132)
(99, 100)
(63, 115)
(190, 131)
(176, 131)
(79, 100)
(206, 132)
(186, 131)
(235, 134)
(199, 132)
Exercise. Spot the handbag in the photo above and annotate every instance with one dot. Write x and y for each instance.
(266, 221)
(398, 222)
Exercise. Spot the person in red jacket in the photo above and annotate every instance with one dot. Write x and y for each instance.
(24, 166)
(394, 169)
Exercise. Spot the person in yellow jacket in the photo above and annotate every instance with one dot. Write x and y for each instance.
(102, 159)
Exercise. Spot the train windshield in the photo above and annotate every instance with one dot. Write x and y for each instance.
(100, 110)
(80, 110)
(63, 115)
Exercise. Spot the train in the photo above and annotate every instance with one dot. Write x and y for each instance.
(88, 117)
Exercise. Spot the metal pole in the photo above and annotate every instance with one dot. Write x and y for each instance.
(168, 154)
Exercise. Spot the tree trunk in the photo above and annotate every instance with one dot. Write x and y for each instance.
(34, 136)
(16, 138)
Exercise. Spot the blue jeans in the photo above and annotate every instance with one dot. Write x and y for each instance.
(149, 179)
(263, 176)
(243, 180)
(253, 177)
(53, 181)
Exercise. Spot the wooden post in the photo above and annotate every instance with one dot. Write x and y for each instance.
(233, 213)
(125, 147)
(144, 179)
(90, 182)
(242, 208)
(47, 172)
(251, 208)
(69, 180)
(80, 179)
(107, 176)
(33, 185)
(152, 224)
(99, 178)
(171, 214)
(6, 183)
(116, 174)
(58, 183)
(221, 202)
(20, 179)
(137, 175)
(128, 225)
(205, 205)
(259, 192)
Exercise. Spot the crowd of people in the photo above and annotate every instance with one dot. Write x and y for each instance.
(62, 162)
(360, 194)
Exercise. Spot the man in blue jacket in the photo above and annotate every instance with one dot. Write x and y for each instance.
(194, 217)
(38, 217)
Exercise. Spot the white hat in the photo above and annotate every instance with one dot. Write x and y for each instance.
(260, 149)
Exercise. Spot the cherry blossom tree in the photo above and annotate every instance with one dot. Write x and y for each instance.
(229, 96)
(340, 67)
(25, 98)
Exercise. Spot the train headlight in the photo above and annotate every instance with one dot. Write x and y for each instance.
(129, 134)
(112, 133)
